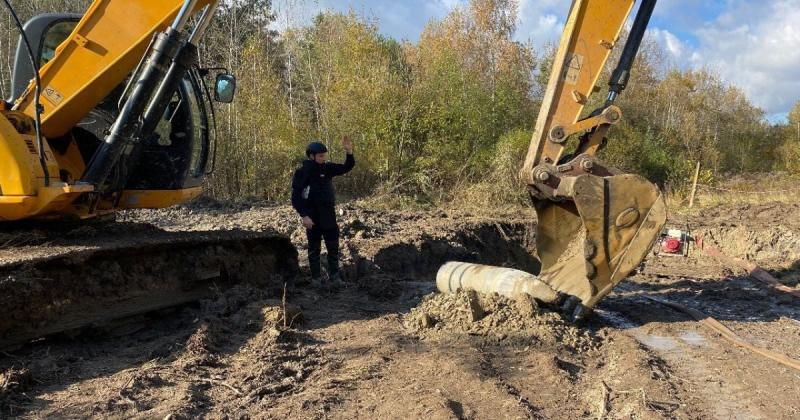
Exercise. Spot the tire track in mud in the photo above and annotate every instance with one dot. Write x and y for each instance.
(726, 380)
(664, 347)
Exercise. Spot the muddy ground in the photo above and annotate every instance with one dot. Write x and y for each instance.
(386, 346)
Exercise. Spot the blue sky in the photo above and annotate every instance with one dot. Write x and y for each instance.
(752, 44)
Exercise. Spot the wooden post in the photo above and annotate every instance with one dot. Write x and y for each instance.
(694, 184)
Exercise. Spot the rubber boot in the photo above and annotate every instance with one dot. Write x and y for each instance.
(335, 281)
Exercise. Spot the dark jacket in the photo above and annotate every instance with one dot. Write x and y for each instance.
(313, 194)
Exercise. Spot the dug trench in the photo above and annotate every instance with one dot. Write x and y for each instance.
(386, 345)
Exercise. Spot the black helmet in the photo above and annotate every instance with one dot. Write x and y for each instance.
(315, 148)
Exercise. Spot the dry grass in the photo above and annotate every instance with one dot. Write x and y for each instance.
(483, 198)
(491, 199)
(750, 189)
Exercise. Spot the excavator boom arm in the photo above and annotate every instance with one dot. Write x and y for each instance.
(591, 32)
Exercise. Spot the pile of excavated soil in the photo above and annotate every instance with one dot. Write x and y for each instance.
(767, 234)
(769, 244)
(241, 351)
(245, 349)
(497, 318)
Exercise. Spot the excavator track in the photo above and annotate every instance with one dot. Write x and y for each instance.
(59, 281)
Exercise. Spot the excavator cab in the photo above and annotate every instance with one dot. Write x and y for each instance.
(176, 155)
(173, 146)
(595, 224)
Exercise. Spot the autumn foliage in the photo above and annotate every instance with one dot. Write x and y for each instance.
(450, 115)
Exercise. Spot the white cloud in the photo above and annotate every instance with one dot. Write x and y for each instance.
(449, 4)
(541, 21)
(756, 47)
(674, 46)
(752, 44)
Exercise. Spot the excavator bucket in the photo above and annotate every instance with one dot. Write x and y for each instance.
(588, 245)
(595, 224)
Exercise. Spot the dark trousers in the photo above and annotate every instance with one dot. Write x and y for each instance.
(315, 236)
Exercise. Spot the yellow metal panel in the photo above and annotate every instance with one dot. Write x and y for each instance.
(71, 162)
(56, 198)
(16, 171)
(156, 199)
(33, 156)
(103, 49)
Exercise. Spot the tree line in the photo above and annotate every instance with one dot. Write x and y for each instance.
(449, 116)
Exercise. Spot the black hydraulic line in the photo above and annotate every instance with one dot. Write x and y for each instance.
(620, 76)
(157, 105)
(169, 85)
(134, 75)
(214, 125)
(204, 72)
(126, 129)
(201, 81)
(38, 84)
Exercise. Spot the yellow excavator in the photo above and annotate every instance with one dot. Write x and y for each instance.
(595, 224)
(118, 117)
(111, 111)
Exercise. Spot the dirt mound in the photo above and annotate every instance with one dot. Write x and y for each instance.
(285, 357)
(775, 244)
(764, 214)
(767, 234)
(243, 353)
(496, 318)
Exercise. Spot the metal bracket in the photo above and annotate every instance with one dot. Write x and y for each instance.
(80, 40)
(611, 115)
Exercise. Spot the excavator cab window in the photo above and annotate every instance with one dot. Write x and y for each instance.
(175, 156)
(45, 33)
(54, 35)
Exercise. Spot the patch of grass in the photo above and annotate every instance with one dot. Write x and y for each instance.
(745, 189)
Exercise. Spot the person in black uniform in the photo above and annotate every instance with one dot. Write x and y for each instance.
(314, 198)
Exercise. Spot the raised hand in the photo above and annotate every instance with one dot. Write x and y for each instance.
(348, 144)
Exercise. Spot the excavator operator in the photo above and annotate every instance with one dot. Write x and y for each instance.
(314, 198)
